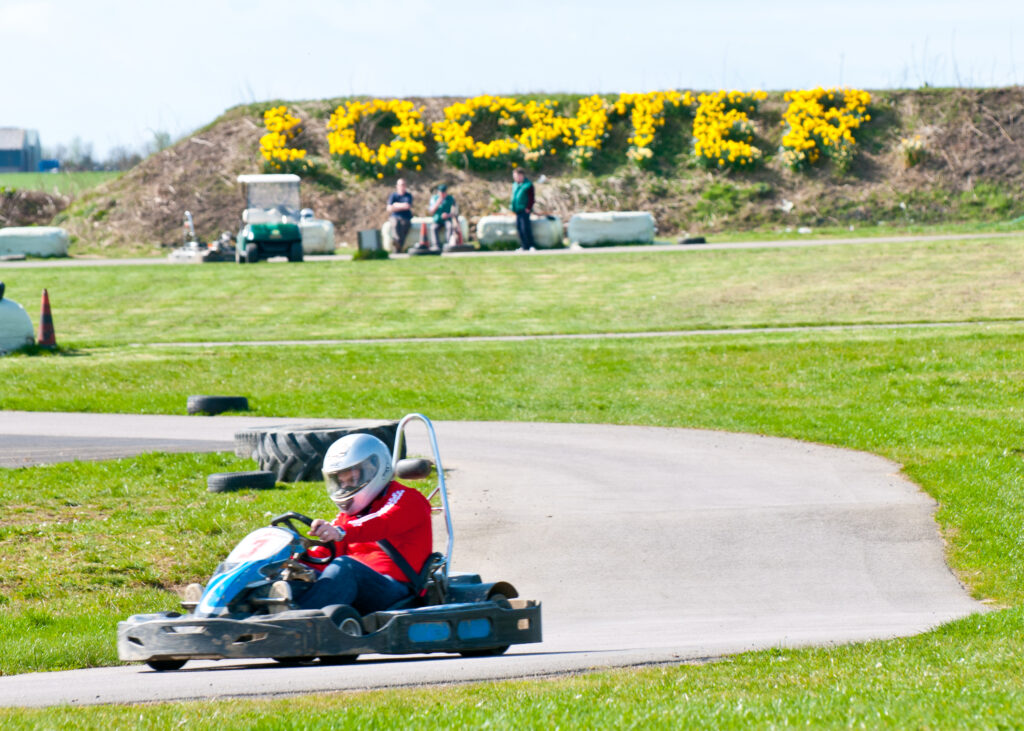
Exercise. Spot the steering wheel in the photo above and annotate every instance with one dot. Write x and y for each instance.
(307, 542)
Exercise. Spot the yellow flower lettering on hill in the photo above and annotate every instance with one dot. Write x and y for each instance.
(282, 128)
(404, 121)
(822, 122)
(723, 133)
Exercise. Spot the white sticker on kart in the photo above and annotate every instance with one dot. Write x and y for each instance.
(261, 543)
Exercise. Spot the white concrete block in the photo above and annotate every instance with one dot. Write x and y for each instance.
(413, 237)
(547, 232)
(34, 241)
(15, 326)
(317, 236)
(611, 227)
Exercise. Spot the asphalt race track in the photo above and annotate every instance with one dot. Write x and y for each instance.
(645, 545)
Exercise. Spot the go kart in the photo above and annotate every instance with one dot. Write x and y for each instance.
(236, 616)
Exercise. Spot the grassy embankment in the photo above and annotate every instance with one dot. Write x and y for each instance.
(59, 183)
(944, 402)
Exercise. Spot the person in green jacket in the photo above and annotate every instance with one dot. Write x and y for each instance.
(522, 206)
(442, 208)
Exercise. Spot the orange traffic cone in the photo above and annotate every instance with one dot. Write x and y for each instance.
(423, 235)
(46, 337)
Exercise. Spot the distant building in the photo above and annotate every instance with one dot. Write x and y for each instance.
(19, 150)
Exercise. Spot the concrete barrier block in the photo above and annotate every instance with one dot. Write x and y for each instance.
(15, 327)
(413, 237)
(547, 232)
(612, 227)
(317, 236)
(34, 241)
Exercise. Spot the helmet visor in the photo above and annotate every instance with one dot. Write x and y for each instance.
(344, 483)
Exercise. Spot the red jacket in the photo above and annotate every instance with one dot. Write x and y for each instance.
(399, 514)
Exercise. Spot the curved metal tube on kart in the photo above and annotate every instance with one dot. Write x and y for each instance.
(399, 441)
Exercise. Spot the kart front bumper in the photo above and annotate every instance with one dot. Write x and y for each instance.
(310, 633)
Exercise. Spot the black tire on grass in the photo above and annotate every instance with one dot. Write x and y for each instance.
(297, 455)
(228, 481)
(216, 404)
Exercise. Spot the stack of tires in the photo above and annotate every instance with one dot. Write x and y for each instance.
(296, 453)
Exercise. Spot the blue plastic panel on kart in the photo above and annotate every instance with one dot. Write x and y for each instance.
(429, 632)
(474, 629)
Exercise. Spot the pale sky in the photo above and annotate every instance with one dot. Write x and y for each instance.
(113, 72)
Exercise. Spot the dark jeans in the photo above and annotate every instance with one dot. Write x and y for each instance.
(442, 231)
(347, 581)
(524, 229)
(401, 229)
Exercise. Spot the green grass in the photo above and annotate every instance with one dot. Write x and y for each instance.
(870, 283)
(60, 183)
(944, 402)
(869, 231)
(965, 675)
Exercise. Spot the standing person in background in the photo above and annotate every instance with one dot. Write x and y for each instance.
(522, 206)
(441, 208)
(400, 208)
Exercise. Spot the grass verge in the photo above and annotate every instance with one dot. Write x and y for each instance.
(869, 283)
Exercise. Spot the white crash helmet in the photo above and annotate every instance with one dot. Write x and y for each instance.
(357, 468)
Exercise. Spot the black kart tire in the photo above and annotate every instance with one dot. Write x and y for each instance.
(213, 405)
(342, 615)
(346, 619)
(163, 665)
(295, 251)
(338, 659)
(252, 253)
(228, 481)
(489, 652)
(297, 455)
(293, 661)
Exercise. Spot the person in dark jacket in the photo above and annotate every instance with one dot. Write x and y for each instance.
(522, 206)
(444, 211)
(399, 207)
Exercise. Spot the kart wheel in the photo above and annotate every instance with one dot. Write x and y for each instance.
(348, 622)
(295, 251)
(489, 652)
(162, 665)
(252, 253)
(338, 659)
(345, 618)
(293, 661)
(502, 601)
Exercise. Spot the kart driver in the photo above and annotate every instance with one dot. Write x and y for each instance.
(374, 509)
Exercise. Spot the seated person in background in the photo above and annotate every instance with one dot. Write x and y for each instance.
(444, 211)
(400, 208)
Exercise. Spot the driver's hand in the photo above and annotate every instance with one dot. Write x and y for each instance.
(325, 531)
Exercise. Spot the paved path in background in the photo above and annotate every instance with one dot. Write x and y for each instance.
(646, 545)
(659, 247)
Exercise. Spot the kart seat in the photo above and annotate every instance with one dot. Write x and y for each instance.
(426, 585)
